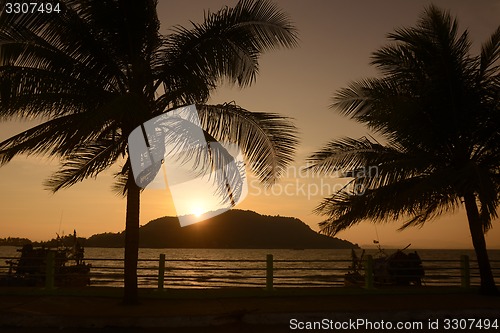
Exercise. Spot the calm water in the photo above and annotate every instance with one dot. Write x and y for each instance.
(202, 268)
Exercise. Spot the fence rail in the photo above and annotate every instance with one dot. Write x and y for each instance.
(165, 273)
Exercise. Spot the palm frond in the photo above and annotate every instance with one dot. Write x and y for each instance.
(49, 138)
(61, 135)
(417, 199)
(67, 44)
(180, 143)
(84, 162)
(228, 43)
(490, 56)
(385, 105)
(120, 185)
(267, 140)
(348, 154)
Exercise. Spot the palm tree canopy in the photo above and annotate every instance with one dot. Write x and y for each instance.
(436, 109)
(98, 69)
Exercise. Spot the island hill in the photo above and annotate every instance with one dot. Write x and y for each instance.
(234, 229)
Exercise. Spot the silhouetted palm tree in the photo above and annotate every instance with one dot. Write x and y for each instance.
(436, 109)
(98, 69)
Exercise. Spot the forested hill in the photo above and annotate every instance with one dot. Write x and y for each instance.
(233, 229)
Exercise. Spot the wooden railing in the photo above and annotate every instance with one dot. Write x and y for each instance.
(269, 273)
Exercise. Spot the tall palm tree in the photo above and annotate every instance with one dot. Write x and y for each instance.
(100, 68)
(436, 110)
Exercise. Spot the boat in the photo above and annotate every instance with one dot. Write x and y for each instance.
(399, 268)
(70, 269)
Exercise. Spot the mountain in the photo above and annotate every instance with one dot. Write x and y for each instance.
(236, 229)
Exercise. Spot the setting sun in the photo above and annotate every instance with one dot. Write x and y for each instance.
(197, 211)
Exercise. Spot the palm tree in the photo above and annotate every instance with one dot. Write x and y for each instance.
(436, 111)
(98, 69)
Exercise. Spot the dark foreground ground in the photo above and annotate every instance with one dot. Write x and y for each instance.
(93, 310)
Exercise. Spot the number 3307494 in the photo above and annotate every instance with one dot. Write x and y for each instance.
(32, 7)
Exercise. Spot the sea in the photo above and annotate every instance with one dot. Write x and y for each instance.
(217, 268)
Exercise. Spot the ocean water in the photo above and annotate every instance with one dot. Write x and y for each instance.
(216, 268)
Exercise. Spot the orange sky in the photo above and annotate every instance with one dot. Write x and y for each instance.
(337, 38)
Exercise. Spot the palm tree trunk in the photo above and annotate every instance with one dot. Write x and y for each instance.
(131, 242)
(476, 230)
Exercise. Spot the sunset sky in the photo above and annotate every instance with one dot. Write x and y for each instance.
(336, 40)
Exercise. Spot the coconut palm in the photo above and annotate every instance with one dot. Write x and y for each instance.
(436, 112)
(98, 69)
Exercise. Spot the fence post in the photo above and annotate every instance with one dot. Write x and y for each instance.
(50, 270)
(465, 271)
(161, 271)
(369, 272)
(269, 272)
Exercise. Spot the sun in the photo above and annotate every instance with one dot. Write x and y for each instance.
(197, 211)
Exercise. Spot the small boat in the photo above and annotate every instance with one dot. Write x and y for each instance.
(399, 268)
(354, 277)
(70, 269)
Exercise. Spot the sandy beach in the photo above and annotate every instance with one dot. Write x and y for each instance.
(220, 311)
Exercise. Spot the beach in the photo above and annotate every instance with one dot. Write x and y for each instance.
(222, 310)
